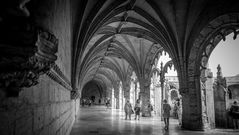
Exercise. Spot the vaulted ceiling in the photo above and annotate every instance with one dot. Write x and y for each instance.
(112, 35)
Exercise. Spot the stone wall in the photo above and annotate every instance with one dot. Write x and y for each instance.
(44, 109)
(55, 16)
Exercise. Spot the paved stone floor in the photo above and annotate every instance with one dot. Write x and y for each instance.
(97, 120)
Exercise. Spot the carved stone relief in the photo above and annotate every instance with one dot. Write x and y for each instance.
(26, 51)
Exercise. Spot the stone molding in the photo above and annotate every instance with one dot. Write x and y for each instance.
(75, 94)
(56, 74)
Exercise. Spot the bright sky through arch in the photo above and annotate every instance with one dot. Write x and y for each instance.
(165, 58)
(226, 54)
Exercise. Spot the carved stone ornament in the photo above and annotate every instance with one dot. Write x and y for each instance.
(75, 94)
(26, 52)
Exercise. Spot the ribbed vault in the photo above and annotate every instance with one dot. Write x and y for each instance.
(111, 36)
(168, 23)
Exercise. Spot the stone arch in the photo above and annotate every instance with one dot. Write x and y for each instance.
(208, 38)
(202, 47)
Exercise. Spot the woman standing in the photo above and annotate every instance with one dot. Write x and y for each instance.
(166, 113)
(137, 109)
(128, 110)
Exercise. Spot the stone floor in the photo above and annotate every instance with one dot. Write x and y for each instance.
(97, 120)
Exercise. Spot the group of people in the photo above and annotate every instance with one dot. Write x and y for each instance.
(86, 102)
(137, 108)
(129, 110)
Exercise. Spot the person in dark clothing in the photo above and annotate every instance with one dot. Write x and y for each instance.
(99, 101)
(234, 112)
(166, 113)
(137, 109)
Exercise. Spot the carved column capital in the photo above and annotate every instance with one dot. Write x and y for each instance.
(26, 52)
(75, 94)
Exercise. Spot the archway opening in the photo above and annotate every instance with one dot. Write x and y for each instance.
(218, 89)
(92, 93)
(165, 85)
(200, 78)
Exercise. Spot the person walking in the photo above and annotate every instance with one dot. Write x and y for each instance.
(234, 112)
(137, 109)
(150, 108)
(128, 110)
(166, 113)
(108, 103)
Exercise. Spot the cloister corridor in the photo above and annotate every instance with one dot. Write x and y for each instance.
(98, 120)
(139, 55)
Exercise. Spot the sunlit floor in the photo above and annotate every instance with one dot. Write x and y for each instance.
(97, 120)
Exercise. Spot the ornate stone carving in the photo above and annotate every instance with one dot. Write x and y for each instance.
(75, 94)
(56, 74)
(220, 79)
(26, 52)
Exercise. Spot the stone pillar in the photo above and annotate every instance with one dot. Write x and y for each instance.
(207, 99)
(108, 92)
(135, 90)
(126, 89)
(144, 96)
(191, 106)
(158, 100)
(116, 94)
(210, 99)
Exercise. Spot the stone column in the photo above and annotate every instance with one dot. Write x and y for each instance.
(191, 106)
(207, 99)
(210, 99)
(116, 94)
(108, 92)
(126, 88)
(135, 90)
(144, 96)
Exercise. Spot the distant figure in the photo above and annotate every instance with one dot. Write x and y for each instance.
(128, 110)
(166, 113)
(175, 110)
(137, 109)
(150, 108)
(99, 101)
(107, 103)
(89, 102)
(234, 112)
(179, 111)
(83, 102)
